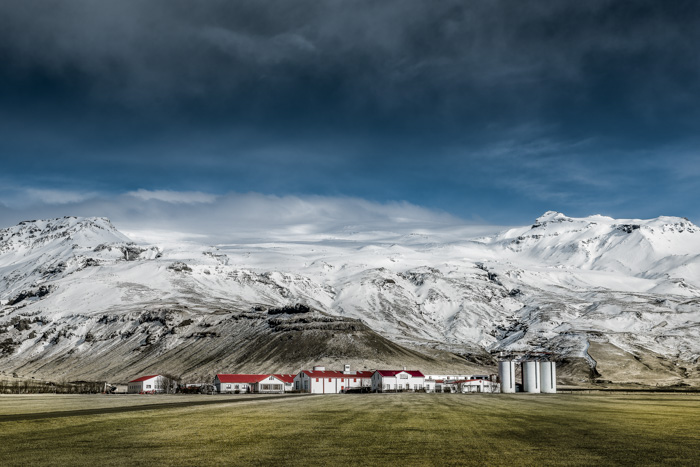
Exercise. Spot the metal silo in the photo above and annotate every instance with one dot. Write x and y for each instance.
(531, 377)
(548, 377)
(506, 375)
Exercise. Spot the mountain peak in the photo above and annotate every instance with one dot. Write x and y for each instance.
(548, 217)
(86, 231)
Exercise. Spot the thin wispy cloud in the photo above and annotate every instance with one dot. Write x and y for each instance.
(47, 196)
(175, 197)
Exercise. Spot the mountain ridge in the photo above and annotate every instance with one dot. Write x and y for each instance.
(599, 293)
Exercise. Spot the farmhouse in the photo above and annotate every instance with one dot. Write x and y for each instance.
(271, 384)
(147, 385)
(240, 383)
(397, 380)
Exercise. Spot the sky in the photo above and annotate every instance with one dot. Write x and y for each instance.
(450, 112)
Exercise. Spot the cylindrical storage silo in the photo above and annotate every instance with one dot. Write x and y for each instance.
(506, 374)
(548, 377)
(531, 377)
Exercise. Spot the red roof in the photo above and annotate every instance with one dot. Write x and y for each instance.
(143, 378)
(414, 373)
(286, 378)
(241, 378)
(338, 374)
(325, 374)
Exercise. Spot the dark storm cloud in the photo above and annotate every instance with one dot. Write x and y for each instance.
(400, 52)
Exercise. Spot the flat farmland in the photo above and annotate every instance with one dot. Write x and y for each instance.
(370, 429)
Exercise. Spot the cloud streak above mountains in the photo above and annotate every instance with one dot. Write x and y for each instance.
(252, 217)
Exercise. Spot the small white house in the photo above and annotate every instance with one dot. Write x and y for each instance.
(397, 380)
(148, 385)
(269, 385)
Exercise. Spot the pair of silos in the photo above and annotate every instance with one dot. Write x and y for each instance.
(537, 377)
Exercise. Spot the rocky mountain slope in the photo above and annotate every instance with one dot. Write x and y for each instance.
(615, 300)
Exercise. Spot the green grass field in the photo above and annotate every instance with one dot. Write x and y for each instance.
(396, 429)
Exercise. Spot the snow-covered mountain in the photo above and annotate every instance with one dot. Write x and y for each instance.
(611, 299)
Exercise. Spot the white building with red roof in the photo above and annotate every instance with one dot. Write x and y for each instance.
(243, 383)
(397, 380)
(147, 385)
(322, 381)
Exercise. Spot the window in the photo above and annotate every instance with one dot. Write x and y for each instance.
(228, 386)
(237, 387)
(148, 386)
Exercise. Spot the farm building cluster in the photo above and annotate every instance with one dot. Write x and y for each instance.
(536, 377)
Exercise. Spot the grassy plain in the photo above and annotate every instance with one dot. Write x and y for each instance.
(370, 429)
